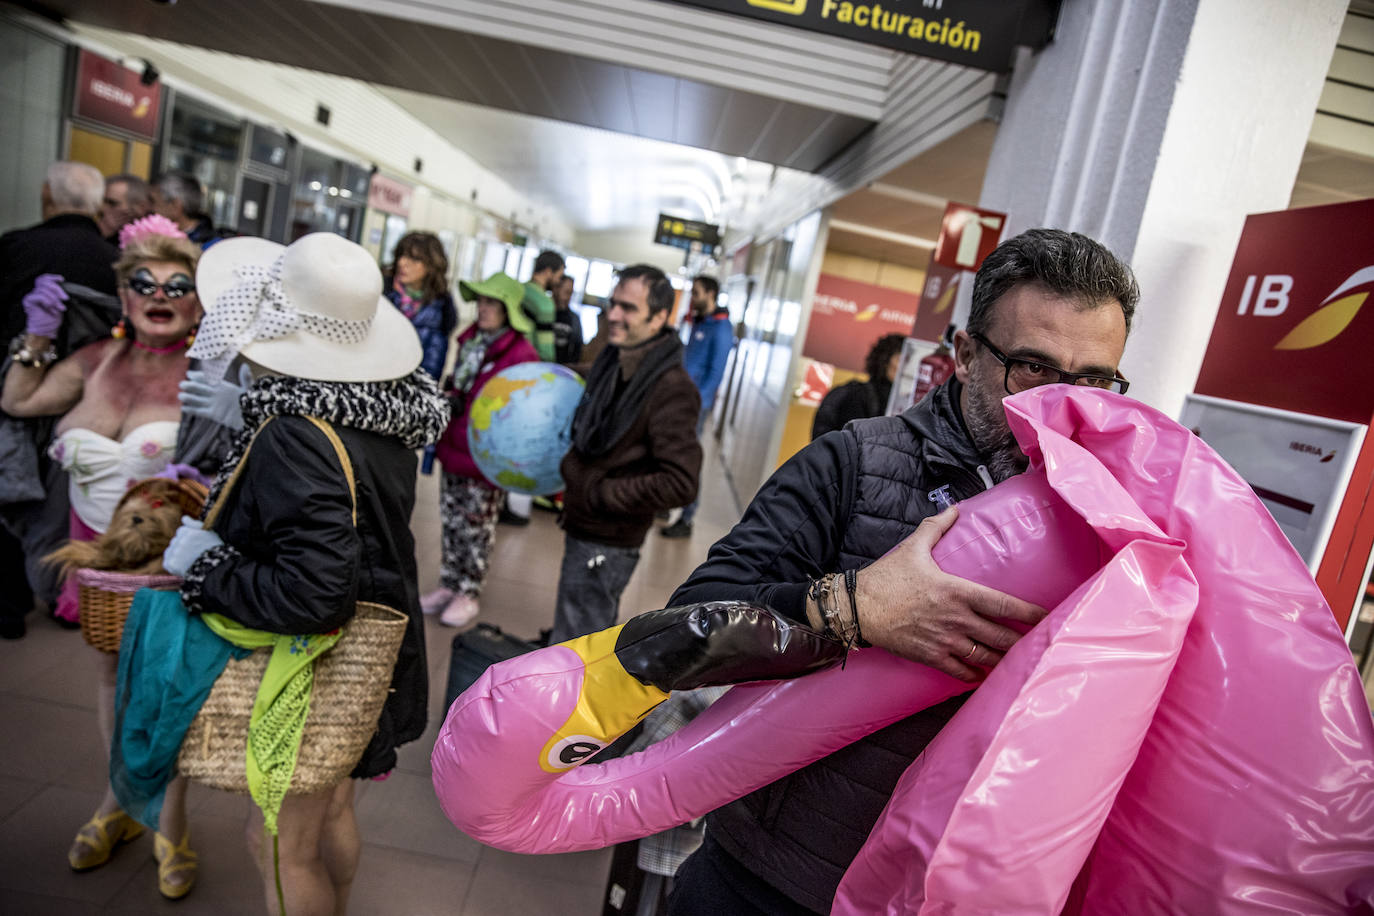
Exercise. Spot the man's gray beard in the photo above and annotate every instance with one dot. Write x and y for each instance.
(987, 424)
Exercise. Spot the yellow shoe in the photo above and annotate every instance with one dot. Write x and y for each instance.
(176, 866)
(98, 837)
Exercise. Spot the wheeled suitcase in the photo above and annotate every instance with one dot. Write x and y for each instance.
(476, 650)
(627, 885)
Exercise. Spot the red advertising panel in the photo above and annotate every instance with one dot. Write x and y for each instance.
(739, 261)
(967, 235)
(1293, 330)
(389, 195)
(937, 301)
(111, 94)
(848, 316)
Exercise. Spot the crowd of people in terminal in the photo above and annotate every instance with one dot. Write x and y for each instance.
(306, 388)
(145, 343)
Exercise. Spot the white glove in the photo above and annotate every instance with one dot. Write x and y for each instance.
(217, 400)
(190, 541)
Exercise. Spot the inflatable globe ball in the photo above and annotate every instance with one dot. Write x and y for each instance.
(520, 426)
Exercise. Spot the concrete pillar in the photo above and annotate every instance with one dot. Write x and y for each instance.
(1156, 126)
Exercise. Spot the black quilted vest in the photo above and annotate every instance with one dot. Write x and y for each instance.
(800, 833)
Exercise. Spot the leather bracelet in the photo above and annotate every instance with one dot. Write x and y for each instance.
(813, 593)
(851, 585)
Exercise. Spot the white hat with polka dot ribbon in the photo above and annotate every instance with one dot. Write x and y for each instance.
(312, 309)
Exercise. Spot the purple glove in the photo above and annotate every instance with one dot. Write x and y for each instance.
(180, 471)
(44, 305)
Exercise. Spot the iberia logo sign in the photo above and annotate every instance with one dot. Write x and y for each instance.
(1294, 330)
(839, 305)
(138, 105)
(110, 94)
(1336, 313)
(848, 316)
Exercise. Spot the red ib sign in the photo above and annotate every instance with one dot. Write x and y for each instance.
(1294, 330)
(967, 235)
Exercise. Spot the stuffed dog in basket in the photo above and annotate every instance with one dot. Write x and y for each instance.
(143, 524)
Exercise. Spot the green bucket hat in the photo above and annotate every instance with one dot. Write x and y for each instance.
(506, 289)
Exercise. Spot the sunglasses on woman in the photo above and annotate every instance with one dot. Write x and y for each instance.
(174, 288)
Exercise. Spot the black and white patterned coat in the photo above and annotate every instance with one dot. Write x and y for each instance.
(292, 560)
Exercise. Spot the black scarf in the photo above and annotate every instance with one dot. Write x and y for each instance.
(602, 417)
(410, 408)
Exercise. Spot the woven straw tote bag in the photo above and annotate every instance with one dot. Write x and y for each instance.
(351, 683)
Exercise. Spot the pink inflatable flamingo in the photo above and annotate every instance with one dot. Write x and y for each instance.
(1186, 731)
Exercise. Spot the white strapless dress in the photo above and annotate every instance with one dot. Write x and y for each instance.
(100, 470)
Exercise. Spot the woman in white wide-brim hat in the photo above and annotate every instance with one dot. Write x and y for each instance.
(285, 555)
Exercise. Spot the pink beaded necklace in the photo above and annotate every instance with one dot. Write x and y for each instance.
(170, 348)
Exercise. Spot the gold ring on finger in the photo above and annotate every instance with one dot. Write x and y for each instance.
(972, 651)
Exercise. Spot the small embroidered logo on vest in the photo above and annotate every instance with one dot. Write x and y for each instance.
(940, 497)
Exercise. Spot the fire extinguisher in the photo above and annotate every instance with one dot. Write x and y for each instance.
(932, 371)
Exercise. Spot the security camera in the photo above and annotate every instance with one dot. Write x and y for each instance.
(150, 73)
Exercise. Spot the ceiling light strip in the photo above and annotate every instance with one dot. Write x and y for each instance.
(915, 241)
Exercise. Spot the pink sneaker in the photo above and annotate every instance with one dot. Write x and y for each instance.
(436, 600)
(460, 611)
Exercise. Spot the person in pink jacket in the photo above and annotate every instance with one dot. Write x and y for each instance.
(469, 503)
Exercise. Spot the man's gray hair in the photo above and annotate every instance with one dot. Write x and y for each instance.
(137, 192)
(1069, 264)
(75, 186)
(185, 188)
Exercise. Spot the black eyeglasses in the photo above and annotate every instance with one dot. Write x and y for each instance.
(172, 289)
(1022, 374)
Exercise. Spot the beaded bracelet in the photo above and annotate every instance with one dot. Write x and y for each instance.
(823, 593)
(22, 355)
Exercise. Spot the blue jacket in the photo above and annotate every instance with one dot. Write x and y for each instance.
(434, 322)
(708, 346)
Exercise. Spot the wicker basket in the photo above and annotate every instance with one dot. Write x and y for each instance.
(351, 683)
(104, 596)
(104, 602)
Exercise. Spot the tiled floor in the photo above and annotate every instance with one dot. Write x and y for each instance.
(52, 770)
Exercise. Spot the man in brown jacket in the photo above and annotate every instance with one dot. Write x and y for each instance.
(634, 452)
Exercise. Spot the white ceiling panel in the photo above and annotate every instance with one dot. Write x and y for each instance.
(599, 179)
(737, 92)
(604, 180)
(653, 69)
(701, 45)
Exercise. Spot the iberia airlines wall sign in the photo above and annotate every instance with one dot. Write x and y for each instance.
(975, 33)
(1295, 329)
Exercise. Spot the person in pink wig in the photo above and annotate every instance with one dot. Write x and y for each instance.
(117, 399)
